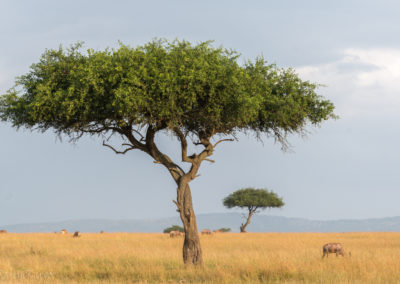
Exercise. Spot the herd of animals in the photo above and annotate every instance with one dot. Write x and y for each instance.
(336, 248)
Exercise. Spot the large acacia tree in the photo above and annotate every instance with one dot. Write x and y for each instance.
(198, 93)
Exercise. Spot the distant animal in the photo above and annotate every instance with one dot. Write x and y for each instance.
(174, 234)
(206, 232)
(3, 232)
(64, 232)
(77, 234)
(101, 232)
(336, 248)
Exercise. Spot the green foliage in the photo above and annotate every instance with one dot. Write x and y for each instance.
(253, 199)
(225, 230)
(174, 228)
(198, 88)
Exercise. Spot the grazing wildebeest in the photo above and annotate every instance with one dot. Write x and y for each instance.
(174, 234)
(77, 234)
(3, 232)
(101, 232)
(206, 232)
(64, 232)
(336, 248)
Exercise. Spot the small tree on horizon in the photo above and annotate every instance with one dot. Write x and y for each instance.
(194, 93)
(224, 230)
(174, 228)
(253, 200)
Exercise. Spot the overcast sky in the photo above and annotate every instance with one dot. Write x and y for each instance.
(348, 168)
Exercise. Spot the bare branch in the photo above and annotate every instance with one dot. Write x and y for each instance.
(142, 138)
(223, 140)
(119, 152)
(209, 160)
(177, 205)
(184, 145)
(128, 134)
(101, 129)
(159, 157)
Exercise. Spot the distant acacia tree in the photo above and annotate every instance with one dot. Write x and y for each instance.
(224, 230)
(174, 228)
(191, 92)
(253, 200)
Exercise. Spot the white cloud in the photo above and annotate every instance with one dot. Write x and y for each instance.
(363, 82)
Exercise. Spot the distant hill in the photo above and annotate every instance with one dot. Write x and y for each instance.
(260, 223)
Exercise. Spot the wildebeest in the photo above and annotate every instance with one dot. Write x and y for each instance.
(77, 234)
(206, 232)
(64, 232)
(101, 232)
(174, 234)
(3, 232)
(336, 248)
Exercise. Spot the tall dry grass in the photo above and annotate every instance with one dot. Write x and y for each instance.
(229, 258)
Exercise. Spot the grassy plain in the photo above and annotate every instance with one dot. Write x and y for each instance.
(229, 258)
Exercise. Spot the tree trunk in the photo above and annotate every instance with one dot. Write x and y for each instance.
(192, 253)
(243, 226)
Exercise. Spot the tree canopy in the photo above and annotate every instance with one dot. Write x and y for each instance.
(198, 89)
(254, 199)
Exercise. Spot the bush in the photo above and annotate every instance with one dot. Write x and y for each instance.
(174, 228)
(224, 230)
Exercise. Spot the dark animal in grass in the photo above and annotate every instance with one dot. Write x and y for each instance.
(77, 234)
(206, 232)
(336, 248)
(3, 232)
(174, 234)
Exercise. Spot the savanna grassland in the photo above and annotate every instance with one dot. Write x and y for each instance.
(228, 258)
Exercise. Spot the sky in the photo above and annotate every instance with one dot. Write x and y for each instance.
(345, 169)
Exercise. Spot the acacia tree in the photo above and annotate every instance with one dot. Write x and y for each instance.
(174, 228)
(253, 200)
(197, 93)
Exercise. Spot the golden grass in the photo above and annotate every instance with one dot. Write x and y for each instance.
(228, 258)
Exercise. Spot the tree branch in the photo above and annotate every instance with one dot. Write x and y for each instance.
(128, 133)
(140, 134)
(177, 205)
(119, 152)
(184, 145)
(175, 170)
(223, 140)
